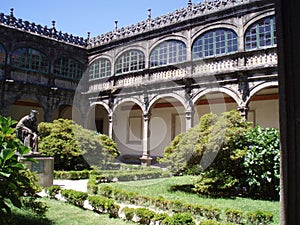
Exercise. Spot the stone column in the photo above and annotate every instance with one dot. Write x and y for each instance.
(243, 109)
(189, 119)
(110, 125)
(146, 159)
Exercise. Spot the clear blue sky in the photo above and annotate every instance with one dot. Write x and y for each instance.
(97, 16)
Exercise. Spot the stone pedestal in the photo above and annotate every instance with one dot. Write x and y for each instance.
(146, 160)
(44, 169)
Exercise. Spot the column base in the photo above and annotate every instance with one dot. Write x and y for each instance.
(146, 160)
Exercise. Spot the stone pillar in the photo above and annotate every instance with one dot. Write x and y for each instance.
(243, 109)
(146, 159)
(110, 125)
(288, 34)
(189, 119)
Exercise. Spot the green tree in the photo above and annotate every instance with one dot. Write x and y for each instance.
(262, 162)
(74, 147)
(226, 169)
(16, 180)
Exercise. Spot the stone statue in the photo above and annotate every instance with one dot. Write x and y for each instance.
(27, 131)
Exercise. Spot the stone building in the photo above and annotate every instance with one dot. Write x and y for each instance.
(146, 83)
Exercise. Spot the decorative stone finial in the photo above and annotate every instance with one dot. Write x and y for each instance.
(149, 14)
(189, 2)
(53, 24)
(88, 35)
(116, 25)
(12, 12)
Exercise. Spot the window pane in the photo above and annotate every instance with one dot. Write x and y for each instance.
(130, 61)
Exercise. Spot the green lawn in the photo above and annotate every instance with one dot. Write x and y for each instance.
(179, 188)
(61, 213)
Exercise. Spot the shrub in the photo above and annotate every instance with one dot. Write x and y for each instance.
(101, 204)
(262, 163)
(35, 205)
(224, 153)
(144, 215)
(129, 213)
(73, 197)
(209, 222)
(53, 190)
(233, 215)
(74, 147)
(259, 218)
(180, 219)
(15, 178)
(160, 217)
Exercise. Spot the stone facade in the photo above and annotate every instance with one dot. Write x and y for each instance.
(143, 103)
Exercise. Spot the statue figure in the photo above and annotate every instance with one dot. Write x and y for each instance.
(27, 131)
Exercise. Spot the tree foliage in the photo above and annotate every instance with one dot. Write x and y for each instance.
(15, 178)
(74, 147)
(262, 162)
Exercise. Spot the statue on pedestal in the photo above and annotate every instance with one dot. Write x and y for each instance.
(27, 131)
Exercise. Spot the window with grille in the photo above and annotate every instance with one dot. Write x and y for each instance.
(100, 68)
(215, 42)
(30, 59)
(261, 34)
(168, 52)
(130, 61)
(68, 68)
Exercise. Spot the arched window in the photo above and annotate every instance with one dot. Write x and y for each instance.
(215, 42)
(130, 61)
(30, 59)
(261, 34)
(68, 68)
(2, 54)
(168, 52)
(100, 68)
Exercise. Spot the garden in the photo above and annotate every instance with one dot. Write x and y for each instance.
(231, 176)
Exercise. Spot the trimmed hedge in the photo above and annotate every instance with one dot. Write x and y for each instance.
(73, 197)
(199, 212)
(105, 176)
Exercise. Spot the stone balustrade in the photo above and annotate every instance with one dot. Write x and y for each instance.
(238, 62)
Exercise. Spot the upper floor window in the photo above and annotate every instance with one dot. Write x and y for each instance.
(215, 42)
(100, 68)
(30, 59)
(68, 68)
(168, 52)
(261, 34)
(2, 54)
(130, 61)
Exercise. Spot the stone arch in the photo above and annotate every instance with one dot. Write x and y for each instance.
(134, 100)
(256, 18)
(214, 100)
(260, 87)
(168, 38)
(213, 27)
(263, 105)
(170, 95)
(97, 117)
(227, 91)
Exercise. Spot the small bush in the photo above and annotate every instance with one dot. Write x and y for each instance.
(129, 213)
(180, 219)
(101, 204)
(35, 205)
(209, 222)
(73, 197)
(145, 215)
(160, 217)
(233, 215)
(259, 217)
(53, 190)
(211, 212)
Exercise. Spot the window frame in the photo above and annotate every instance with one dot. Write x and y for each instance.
(215, 42)
(100, 68)
(130, 61)
(67, 67)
